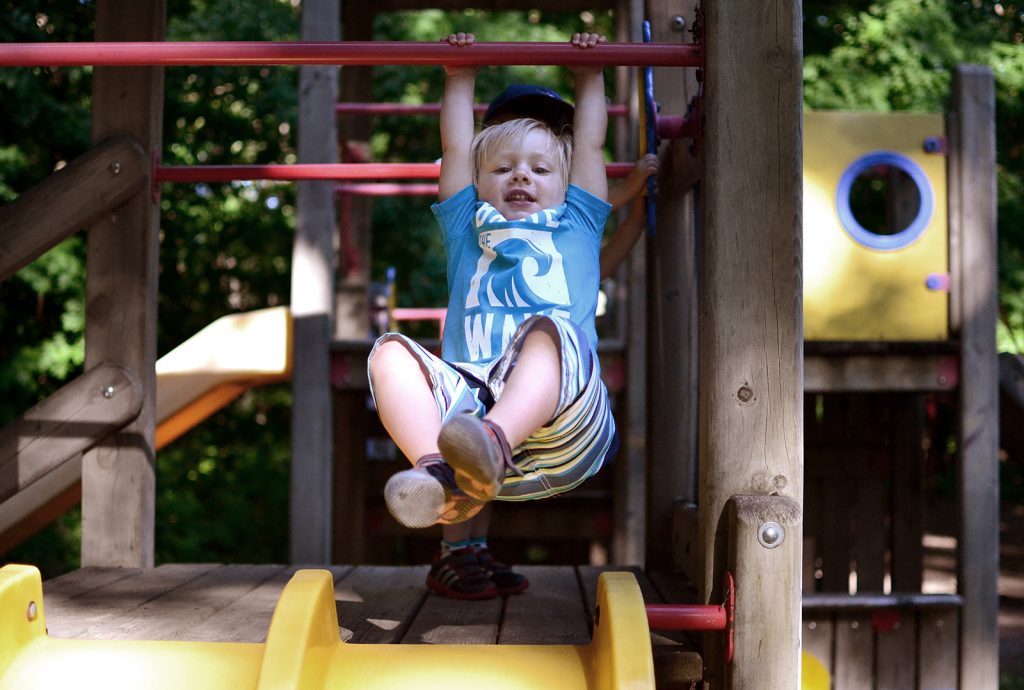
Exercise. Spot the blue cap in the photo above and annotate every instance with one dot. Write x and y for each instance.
(530, 100)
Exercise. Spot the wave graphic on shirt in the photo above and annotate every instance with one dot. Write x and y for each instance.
(521, 276)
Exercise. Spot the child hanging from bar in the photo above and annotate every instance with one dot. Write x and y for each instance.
(515, 408)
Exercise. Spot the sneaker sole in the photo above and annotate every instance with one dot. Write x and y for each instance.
(415, 500)
(469, 449)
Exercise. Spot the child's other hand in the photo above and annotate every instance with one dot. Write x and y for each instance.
(587, 40)
(459, 40)
(636, 181)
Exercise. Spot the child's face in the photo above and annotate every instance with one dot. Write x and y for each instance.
(522, 176)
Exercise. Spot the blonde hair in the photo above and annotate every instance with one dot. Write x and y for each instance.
(491, 138)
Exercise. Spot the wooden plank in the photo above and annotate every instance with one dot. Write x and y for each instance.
(939, 640)
(687, 553)
(312, 300)
(896, 655)
(907, 560)
(449, 621)
(41, 503)
(68, 200)
(876, 373)
(90, 616)
(854, 658)
(751, 365)
(671, 335)
(836, 535)
(869, 537)
(118, 483)
(82, 581)
(174, 614)
(377, 604)
(972, 165)
(72, 420)
(819, 638)
(551, 611)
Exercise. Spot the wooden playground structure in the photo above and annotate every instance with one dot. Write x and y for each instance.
(712, 476)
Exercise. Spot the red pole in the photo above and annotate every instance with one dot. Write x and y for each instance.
(317, 171)
(686, 617)
(426, 109)
(386, 189)
(345, 53)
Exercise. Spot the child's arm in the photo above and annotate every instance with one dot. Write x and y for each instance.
(629, 231)
(457, 124)
(590, 123)
(635, 183)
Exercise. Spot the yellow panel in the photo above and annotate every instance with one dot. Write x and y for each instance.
(851, 291)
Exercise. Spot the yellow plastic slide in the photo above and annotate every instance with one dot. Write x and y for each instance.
(219, 363)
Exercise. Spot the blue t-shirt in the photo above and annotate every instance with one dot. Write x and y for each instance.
(502, 272)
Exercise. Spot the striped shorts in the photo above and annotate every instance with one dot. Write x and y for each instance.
(560, 455)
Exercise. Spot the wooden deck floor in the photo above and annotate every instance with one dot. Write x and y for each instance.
(376, 604)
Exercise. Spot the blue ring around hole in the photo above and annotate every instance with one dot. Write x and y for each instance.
(861, 234)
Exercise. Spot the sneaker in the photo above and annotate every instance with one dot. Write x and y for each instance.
(506, 581)
(427, 494)
(459, 576)
(479, 453)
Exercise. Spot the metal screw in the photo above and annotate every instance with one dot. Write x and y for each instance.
(115, 167)
(771, 535)
(812, 625)
(678, 22)
(108, 392)
(32, 611)
(854, 624)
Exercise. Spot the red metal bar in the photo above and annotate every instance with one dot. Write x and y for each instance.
(346, 53)
(317, 171)
(426, 109)
(686, 617)
(386, 189)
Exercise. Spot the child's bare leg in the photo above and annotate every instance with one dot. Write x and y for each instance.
(531, 391)
(405, 401)
(480, 450)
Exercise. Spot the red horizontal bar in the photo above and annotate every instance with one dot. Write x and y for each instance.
(318, 171)
(128, 53)
(685, 617)
(386, 189)
(425, 109)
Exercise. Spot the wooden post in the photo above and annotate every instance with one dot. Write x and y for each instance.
(118, 484)
(764, 541)
(672, 343)
(313, 300)
(751, 316)
(972, 218)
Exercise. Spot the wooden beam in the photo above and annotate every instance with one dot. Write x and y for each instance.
(118, 482)
(72, 420)
(767, 653)
(972, 214)
(751, 315)
(878, 373)
(68, 200)
(313, 300)
(672, 308)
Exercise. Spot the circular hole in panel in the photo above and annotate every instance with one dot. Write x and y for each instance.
(884, 200)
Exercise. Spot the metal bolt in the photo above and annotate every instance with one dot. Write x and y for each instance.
(771, 535)
(32, 611)
(115, 167)
(812, 625)
(678, 22)
(108, 392)
(854, 624)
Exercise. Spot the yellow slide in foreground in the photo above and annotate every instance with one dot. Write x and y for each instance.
(219, 363)
(304, 651)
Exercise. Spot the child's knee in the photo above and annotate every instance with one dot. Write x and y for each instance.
(389, 357)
